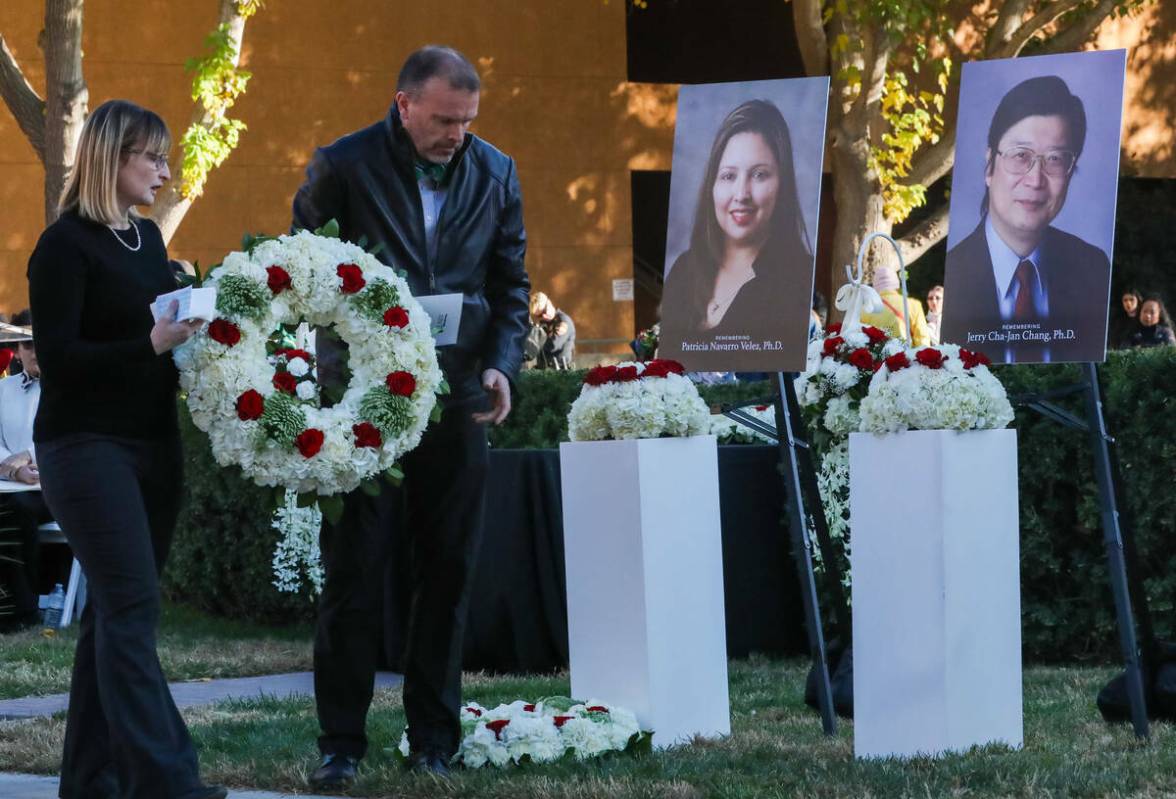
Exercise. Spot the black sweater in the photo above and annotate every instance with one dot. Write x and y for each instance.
(90, 299)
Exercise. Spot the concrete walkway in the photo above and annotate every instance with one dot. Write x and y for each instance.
(188, 694)
(27, 786)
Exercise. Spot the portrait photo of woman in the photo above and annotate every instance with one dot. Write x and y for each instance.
(737, 294)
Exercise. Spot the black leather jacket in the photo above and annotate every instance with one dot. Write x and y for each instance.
(365, 180)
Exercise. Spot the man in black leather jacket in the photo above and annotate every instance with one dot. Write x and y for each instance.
(444, 206)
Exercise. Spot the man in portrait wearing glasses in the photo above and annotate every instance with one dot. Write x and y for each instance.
(1027, 291)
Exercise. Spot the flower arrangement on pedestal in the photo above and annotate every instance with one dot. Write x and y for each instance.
(935, 388)
(637, 400)
(543, 732)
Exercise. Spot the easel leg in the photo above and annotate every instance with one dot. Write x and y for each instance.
(801, 547)
(1113, 539)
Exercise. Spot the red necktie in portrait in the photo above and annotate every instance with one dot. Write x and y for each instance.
(1025, 284)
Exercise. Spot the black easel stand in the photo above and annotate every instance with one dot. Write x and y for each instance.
(1119, 542)
(804, 508)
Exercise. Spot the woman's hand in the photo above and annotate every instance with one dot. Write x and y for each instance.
(10, 465)
(169, 334)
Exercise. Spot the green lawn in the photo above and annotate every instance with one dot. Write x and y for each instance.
(191, 647)
(776, 750)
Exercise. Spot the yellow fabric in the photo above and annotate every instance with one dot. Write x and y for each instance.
(886, 319)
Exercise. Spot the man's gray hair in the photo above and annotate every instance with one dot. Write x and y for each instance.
(437, 61)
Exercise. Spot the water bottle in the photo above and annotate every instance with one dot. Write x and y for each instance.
(54, 607)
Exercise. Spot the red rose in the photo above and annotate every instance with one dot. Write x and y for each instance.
(366, 435)
(352, 278)
(655, 369)
(474, 710)
(396, 317)
(291, 353)
(562, 720)
(497, 726)
(600, 375)
(401, 383)
(831, 344)
(625, 373)
(309, 442)
(529, 708)
(930, 357)
(833, 328)
(597, 709)
(762, 408)
(671, 366)
(897, 361)
(279, 279)
(224, 332)
(973, 359)
(6, 357)
(861, 358)
(249, 406)
(284, 381)
(874, 334)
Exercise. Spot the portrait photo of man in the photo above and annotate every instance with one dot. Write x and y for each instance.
(1024, 289)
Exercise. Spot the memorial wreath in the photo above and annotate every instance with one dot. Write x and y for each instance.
(261, 406)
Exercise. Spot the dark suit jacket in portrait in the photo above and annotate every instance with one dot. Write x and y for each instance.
(1076, 279)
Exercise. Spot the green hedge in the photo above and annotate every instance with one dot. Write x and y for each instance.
(221, 559)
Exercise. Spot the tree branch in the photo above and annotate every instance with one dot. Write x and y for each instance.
(925, 235)
(22, 100)
(171, 205)
(1010, 19)
(1035, 25)
(876, 55)
(1078, 34)
(810, 35)
(932, 163)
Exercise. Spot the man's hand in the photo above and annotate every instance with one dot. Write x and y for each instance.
(9, 465)
(498, 387)
(27, 474)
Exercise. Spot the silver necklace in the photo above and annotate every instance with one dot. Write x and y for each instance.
(138, 237)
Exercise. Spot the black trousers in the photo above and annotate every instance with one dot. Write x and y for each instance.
(438, 508)
(116, 500)
(22, 512)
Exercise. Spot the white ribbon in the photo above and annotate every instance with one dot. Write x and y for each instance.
(855, 299)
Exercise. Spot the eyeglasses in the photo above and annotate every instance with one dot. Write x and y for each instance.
(1019, 160)
(159, 160)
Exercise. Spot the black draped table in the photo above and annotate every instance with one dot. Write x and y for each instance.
(518, 607)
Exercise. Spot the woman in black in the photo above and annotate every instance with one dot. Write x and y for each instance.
(108, 444)
(1155, 326)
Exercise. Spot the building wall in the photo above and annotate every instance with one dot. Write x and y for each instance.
(554, 97)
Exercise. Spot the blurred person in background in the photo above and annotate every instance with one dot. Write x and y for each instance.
(1155, 326)
(551, 342)
(934, 313)
(1124, 320)
(892, 317)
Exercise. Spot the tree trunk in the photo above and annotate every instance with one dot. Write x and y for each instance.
(171, 206)
(858, 195)
(66, 96)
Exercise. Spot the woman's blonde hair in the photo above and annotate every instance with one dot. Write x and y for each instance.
(111, 130)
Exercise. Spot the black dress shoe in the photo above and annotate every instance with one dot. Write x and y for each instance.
(429, 763)
(335, 772)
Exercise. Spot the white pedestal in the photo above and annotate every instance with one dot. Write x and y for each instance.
(644, 558)
(936, 591)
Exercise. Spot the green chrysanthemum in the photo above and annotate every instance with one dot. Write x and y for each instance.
(238, 296)
(283, 419)
(377, 297)
(391, 413)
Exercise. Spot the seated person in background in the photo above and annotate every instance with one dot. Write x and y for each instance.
(891, 317)
(23, 511)
(934, 313)
(1155, 326)
(1124, 320)
(551, 344)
